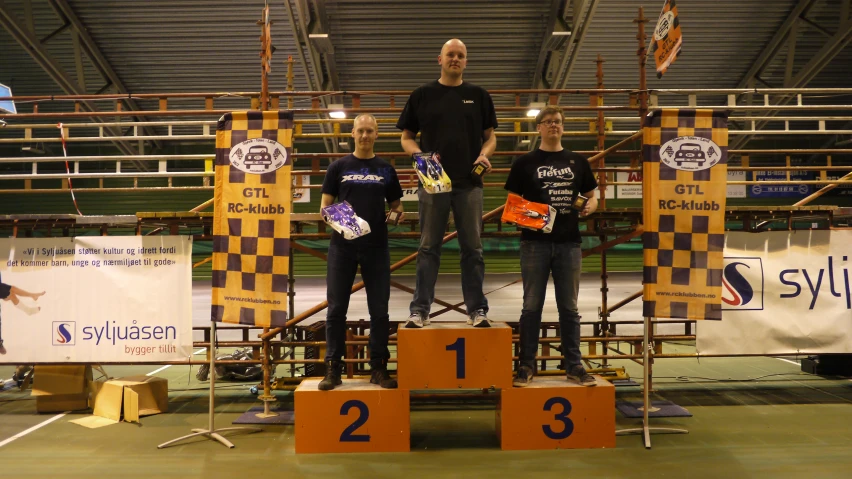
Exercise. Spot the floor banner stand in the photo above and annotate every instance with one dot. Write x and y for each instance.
(646, 430)
(211, 432)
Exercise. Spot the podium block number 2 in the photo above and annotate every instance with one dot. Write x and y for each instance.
(458, 347)
(562, 416)
(363, 414)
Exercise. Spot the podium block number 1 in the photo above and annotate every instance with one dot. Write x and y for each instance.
(458, 347)
(363, 415)
(567, 424)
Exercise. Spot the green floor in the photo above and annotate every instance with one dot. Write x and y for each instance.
(784, 425)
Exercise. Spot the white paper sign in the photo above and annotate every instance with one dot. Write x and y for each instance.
(95, 299)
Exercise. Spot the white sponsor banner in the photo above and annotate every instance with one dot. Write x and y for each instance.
(783, 292)
(95, 299)
(631, 191)
(301, 195)
(736, 191)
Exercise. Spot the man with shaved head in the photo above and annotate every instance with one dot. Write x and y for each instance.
(456, 119)
(368, 183)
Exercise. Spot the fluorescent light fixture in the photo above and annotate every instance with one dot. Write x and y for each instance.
(535, 108)
(337, 111)
(343, 144)
(33, 149)
(321, 42)
(525, 141)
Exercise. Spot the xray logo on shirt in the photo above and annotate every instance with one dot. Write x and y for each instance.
(64, 333)
(364, 176)
(742, 284)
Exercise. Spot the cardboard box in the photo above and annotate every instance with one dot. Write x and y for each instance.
(61, 388)
(130, 398)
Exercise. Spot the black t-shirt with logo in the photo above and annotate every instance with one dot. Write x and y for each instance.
(451, 121)
(366, 185)
(554, 178)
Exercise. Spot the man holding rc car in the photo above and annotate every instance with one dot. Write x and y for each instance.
(563, 180)
(366, 182)
(457, 120)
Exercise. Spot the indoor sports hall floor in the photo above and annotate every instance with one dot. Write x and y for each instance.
(785, 424)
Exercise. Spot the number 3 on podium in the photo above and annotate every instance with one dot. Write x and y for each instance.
(458, 347)
(363, 415)
(567, 424)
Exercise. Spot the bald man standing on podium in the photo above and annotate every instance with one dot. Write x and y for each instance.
(456, 119)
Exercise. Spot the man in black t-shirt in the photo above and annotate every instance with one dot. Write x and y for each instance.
(554, 176)
(367, 182)
(456, 119)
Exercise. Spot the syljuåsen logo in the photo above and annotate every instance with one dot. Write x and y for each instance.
(742, 284)
(64, 333)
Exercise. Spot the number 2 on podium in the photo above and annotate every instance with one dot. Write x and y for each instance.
(458, 347)
(363, 415)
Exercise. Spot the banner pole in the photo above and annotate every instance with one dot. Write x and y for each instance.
(211, 432)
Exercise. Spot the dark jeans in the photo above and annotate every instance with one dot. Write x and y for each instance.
(466, 205)
(343, 263)
(538, 260)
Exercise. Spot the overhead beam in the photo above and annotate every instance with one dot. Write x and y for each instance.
(298, 25)
(770, 51)
(575, 43)
(30, 43)
(88, 44)
(832, 47)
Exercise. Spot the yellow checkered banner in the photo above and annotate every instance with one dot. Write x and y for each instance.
(251, 225)
(685, 171)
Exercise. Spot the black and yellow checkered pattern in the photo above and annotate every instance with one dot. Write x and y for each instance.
(666, 50)
(683, 247)
(251, 249)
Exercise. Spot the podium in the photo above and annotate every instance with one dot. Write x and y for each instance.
(555, 413)
(355, 417)
(455, 356)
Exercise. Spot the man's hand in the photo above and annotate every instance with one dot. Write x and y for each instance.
(591, 205)
(482, 159)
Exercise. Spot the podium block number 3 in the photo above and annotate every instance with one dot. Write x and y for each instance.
(363, 414)
(567, 424)
(458, 347)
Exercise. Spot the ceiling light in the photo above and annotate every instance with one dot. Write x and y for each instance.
(337, 111)
(535, 108)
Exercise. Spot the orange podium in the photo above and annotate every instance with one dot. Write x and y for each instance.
(455, 355)
(554, 413)
(354, 417)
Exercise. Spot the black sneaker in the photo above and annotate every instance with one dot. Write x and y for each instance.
(332, 376)
(523, 378)
(381, 377)
(579, 374)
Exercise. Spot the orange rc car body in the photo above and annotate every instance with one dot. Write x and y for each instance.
(527, 214)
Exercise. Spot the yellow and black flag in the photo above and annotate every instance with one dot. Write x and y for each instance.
(667, 38)
(251, 225)
(685, 169)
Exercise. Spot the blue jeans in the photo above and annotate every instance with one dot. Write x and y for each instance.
(343, 263)
(538, 260)
(466, 205)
